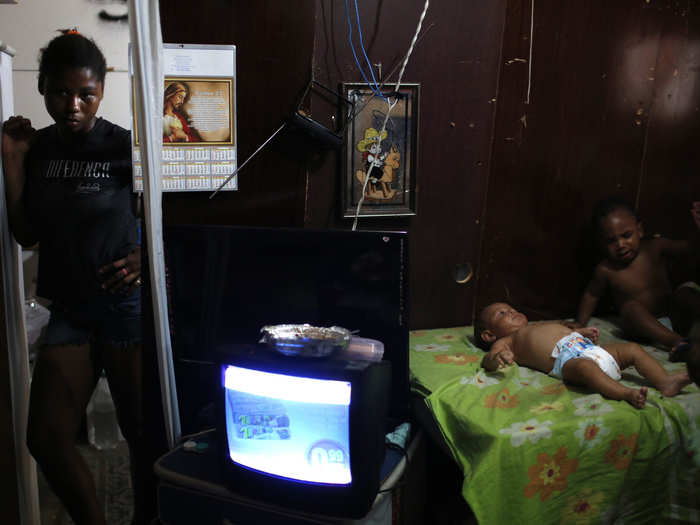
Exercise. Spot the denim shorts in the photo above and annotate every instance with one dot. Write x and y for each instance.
(111, 320)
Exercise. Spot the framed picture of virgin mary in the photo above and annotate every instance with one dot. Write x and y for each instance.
(380, 154)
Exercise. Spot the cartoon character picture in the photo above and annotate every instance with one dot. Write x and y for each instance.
(391, 163)
(380, 152)
(379, 165)
(176, 125)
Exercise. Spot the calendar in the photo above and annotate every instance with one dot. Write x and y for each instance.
(199, 120)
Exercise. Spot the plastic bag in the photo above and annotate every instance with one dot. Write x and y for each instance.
(102, 425)
(36, 317)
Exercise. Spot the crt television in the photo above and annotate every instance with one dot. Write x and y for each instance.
(226, 282)
(304, 433)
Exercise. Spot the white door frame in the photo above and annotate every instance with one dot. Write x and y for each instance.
(17, 348)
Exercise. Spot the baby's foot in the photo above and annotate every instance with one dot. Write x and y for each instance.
(637, 398)
(672, 384)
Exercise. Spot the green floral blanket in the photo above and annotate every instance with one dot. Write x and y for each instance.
(533, 450)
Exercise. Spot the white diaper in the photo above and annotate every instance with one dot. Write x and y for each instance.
(575, 346)
(666, 321)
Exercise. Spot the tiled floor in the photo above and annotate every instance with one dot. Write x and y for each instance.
(110, 469)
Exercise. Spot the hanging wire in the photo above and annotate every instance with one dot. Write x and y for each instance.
(374, 86)
(529, 61)
(364, 52)
(390, 107)
(356, 111)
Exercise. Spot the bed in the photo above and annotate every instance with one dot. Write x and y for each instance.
(532, 450)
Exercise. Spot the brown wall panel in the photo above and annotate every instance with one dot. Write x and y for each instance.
(670, 175)
(274, 44)
(612, 109)
(585, 134)
(456, 63)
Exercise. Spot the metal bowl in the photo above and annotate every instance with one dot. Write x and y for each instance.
(305, 340)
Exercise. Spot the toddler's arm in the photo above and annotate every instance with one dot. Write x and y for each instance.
(684, 247)
(499, 356)
(591, 332)
(695, 239)
(589, 299)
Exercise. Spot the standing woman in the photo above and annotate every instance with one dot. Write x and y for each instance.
(68, 187)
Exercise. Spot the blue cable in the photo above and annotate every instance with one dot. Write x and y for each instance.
(362, 47)
(352, 48)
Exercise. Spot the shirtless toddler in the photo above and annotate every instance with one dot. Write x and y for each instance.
(557, 350)
(634, 268)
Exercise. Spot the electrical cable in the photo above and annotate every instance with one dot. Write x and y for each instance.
(529, 61)
(364, 52)
(239, 168)
(390, 107)
(386, 80)
(404, 452)
(354, 54)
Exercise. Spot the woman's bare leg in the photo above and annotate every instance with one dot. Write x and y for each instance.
(123, 368)
(640, 322)
(632, 354)
(585, 372)
(62, 383)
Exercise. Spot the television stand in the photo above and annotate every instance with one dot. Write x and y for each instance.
(191, 490)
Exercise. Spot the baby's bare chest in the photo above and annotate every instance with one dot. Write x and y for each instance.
(536, 341)
(646, 273)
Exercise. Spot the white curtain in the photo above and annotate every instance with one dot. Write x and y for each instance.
(17, 351)
(147, 59)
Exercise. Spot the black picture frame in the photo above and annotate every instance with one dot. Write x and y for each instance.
(390, 161)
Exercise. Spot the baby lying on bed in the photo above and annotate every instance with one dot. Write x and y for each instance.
(557, 350)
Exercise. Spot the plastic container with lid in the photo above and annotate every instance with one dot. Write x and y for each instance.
(362, 348)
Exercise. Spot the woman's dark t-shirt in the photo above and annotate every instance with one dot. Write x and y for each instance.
(79, 202)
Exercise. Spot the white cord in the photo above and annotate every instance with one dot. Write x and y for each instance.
(390, 106)
(369, 169)
(529, 61)
(413, 43)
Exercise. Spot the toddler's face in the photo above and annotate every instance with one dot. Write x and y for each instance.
(621, 235)
(501, 319)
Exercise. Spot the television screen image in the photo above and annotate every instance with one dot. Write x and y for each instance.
(288, 426)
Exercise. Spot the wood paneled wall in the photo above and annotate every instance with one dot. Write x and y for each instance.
(501, 184)
(504, 183)
(456, 62)
(274, 53)
(614, 95)
(281, 44)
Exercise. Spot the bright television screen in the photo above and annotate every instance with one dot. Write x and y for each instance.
(288, 426)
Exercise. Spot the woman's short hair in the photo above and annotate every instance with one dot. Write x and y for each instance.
(70, 50)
